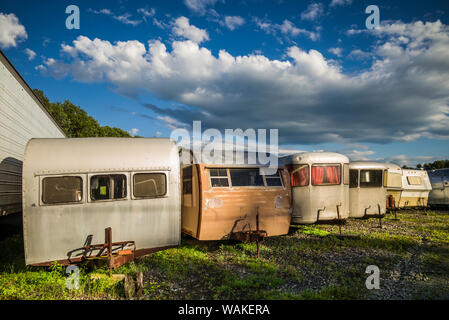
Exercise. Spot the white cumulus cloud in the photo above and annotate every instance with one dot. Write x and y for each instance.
(402, 96)
(30, 53)
(11, 30)
(233, 22)
(313, 11)
(183, 28)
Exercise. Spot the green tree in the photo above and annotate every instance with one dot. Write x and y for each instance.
(75, 121)
(438, 164)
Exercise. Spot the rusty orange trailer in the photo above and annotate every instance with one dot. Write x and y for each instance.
(226, 201)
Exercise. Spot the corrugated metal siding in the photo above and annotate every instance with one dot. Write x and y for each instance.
(21, 118)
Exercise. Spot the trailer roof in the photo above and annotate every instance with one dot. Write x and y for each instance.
(249, 159)
(315, 157)
(367, 165)
(72, 155)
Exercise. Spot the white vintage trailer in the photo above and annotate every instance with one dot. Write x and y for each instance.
(367, 192)
(22, 117)
(73, 189)
(416, 187)
(393, 184)
(320, 186)
(439, 196)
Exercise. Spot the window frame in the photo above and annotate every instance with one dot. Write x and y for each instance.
(252, 168)
(230, 186)
(228, 176)
(89, 178)
(358, 178)
(325, 165)
(414, 184)
(297, 169)
(366, 187)
(41, 189)
(280, 177)
(346, 165)
(183, 179)
(166, 195)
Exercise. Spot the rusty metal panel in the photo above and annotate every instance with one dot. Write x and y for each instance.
(53, 232)
(229, 210)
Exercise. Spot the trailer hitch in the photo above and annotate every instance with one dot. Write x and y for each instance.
(251, 235)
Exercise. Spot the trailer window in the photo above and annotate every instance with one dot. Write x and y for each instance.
(327, 174)
(299, 175)
(414, 180)
(246, 178)
(370, 178)
(62, 190)
(187, 180)
(354, 178)
(219, 177)
(108, 187)
(394, 180)
(274, 180)
(150, 185)
(346, 174)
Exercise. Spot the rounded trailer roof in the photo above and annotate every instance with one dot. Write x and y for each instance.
(367, 165)
(240, 159)
(57, 155)
(393, 168)
(315, 157)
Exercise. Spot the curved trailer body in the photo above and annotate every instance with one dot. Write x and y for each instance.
(393, 184)
(320, 186)
(416, 187)
(367, 193)
(439, 196)
(222, 201)
(73, 189)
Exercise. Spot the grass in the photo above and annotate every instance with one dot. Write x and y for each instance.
(311, 262)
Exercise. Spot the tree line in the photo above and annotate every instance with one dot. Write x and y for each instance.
(75, 121)
(438, 164)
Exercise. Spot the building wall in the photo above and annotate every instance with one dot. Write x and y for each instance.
(22, 117)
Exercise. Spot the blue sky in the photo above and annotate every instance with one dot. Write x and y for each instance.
(308, 68)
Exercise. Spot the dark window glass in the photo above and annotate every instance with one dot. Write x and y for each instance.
(354, 178)
(246, 178)
(219, 177)
(274, 180)
(370, 178)
(62, 190)
(106, 187)
(218, 172)
(150, 185)
(219, 182)
(187, 180)
(328, 174)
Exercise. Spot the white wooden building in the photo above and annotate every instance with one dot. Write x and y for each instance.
(22, 117)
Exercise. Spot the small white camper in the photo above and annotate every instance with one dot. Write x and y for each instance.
(367, 193)
(320, 186)
(74, 189)
(416, 187)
